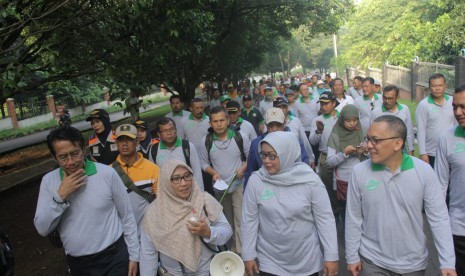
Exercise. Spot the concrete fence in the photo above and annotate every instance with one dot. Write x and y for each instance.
(413, 81)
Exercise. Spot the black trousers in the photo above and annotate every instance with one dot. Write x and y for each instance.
(114, 260)
(459, 245)
(431, 160)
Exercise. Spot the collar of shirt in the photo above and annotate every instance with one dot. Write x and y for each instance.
(230, 135)
(399, 108)
(178, 143)
(180, 113)
(407, 164)
(431, 101)
(191, 117)
(302, 99)
(137, 164)
(459, 131)
(375, 97)
(327, 116)
(89, 169)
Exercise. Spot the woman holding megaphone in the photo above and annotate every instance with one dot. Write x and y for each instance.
(286, 213)
(182, 226)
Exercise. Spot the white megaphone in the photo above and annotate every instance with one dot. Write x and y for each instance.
(227, 263)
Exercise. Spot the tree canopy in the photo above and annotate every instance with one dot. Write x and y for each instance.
(398, 30)
(120, 44)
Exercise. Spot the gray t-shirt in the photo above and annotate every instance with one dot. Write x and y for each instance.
(322, 138)
(195, 130)
(365, 106)
(282, 226)
(450, 168)
(403, 113)
(225, 157)
(384, 220)
(307, 111)
(432, 119)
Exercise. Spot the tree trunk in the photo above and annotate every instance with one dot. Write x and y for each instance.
(2, 103)
(288, 63)
(282, 64)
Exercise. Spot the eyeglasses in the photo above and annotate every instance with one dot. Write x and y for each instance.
(264, 155)
(374, 141)
(170, 130)
(177, 179)
(75, 156)
(387, 99)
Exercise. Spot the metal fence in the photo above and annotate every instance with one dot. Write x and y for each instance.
(408, 78)
(31, 108)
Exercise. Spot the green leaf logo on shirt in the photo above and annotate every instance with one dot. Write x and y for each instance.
(433, 109)
(459, 147)
(372, 184)
(267, 194)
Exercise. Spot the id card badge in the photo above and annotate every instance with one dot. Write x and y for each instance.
(95, 151)
(113, 147)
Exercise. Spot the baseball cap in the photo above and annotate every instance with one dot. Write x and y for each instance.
(327, 96)
(98, 114)
(246, 97)
(142, 124)
(268, 88)
(377, 82)
(233, 106)
(289, 92)
(224, 98)
(320, 82)
(230, 85)
(126, 130)
(279, 101)
(274, 114)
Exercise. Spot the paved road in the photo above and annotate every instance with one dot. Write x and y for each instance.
(41, 136)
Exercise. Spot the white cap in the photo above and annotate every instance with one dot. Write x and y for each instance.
(126, 130)
(274, 114)
(377, 82)
(320, 82)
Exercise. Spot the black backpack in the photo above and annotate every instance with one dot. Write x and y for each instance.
(186, 150)
(7, 262)
(237, 138)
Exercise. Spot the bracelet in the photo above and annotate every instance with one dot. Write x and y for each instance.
(60, 202)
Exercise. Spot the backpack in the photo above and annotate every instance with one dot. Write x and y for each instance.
(7, 262)
(186, 150)
(237, 138)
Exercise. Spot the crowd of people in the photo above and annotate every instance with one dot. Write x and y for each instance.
(269, 172)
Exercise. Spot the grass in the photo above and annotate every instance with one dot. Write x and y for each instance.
(12, 133)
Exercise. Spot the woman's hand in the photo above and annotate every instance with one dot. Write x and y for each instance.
(349, 150)
(199, 228)
(251, 268)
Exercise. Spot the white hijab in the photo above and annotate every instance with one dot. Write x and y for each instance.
(292, 171)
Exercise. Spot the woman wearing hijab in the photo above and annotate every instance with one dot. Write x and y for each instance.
(286, 213)
(346, 148)
(144, 137)
(102, 143)
(181, 225)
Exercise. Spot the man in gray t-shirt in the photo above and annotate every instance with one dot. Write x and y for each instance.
(385, 199)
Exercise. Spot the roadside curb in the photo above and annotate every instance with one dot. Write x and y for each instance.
(26, 174)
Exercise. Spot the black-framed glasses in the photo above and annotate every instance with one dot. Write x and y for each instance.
(264, 155)
(375, 141)
(177, 179)
(75, 156)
